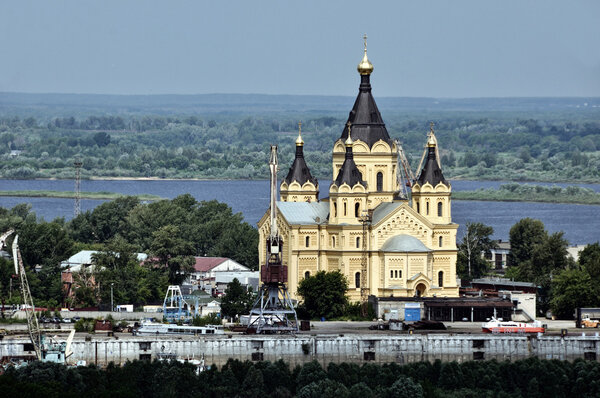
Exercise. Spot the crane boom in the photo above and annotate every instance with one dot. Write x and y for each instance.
(32, 322)
(273, 168)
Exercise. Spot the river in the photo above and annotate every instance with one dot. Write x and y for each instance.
(581, 223)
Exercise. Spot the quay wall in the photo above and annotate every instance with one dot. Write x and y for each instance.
(326, 348)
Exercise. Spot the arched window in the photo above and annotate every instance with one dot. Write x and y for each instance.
(379, 181)
(306, 275)
(400, 274)
(418, 208)
(391, 274)
(334, 209)
(345, 209)
(333, 241)
(357, 279)
(307, 241)
(427, 208)
(439, 209)
(440, 241)
(358, 241)
(396, 274)
(441, 279)
(356, 209)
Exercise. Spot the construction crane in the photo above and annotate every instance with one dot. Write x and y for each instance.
(273, 311)
(50, 350)
(405, 174)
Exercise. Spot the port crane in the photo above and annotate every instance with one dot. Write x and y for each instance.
(273, 311)
(47, 350)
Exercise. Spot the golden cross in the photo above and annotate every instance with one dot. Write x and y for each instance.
(365, 39)
(299, 127)
(431, 124)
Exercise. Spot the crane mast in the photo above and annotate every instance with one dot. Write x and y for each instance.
(273, 311)
(32, 322)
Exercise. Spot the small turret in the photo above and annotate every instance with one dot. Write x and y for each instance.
(431, 192)
(299, 185)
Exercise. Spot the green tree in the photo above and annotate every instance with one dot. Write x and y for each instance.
(324, 294)
(524, 236)
(476, 243)
(572, 288)
(237, 301)
(170, 251)
(589, 259)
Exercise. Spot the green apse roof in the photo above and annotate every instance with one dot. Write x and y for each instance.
(404, 244)
(304, 213)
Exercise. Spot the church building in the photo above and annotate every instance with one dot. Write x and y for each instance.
(385, 244)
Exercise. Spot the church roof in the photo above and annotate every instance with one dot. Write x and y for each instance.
(404, 244)
(299, 171)
(367, 124)
(431, 173)
(349, 173)
(383, 209)
(304, 213)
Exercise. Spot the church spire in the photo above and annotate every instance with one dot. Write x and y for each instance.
(366, 120)
(432, 171)
(349, 173)
(299, 172)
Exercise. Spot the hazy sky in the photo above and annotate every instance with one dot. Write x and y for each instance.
(443, 48)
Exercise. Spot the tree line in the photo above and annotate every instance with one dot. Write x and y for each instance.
(538, 257)
(530, 378)
(171, 232)
(553, 146)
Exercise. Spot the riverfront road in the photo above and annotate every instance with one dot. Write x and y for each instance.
(347, 327)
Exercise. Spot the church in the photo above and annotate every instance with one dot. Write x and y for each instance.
(386, 244)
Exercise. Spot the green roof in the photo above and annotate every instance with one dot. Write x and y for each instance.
(404, 244)
(304, 213)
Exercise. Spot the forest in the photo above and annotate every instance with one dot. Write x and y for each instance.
(560, 143)
(530, 378)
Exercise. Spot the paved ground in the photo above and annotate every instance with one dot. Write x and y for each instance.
(346, 327)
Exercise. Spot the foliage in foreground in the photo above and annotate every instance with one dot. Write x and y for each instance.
(171, 232)
(527, 378)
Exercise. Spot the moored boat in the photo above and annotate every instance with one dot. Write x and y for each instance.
(499, 326)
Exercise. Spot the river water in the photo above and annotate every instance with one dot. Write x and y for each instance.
(581, 223)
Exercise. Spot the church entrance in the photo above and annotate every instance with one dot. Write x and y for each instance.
(420, 290)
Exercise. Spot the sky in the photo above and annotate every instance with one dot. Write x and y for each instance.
(428, 48)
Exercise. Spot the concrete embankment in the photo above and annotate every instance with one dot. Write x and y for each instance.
(358, 348)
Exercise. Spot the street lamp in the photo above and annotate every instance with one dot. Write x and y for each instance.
(112, 307)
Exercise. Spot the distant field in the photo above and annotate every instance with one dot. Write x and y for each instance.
(103, 195)
(532, 193)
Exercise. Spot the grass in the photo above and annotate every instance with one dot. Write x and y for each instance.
(514, 192)
(71, 195)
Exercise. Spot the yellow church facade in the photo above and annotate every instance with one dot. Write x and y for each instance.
(383, 243)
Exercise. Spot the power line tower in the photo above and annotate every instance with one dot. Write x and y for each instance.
(77, 163)
(365, 219)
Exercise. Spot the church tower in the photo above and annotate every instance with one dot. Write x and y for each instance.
(431, 192)
(374, 152)
(299, 185)
(347, 193)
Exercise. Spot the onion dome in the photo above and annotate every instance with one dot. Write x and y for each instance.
(365, 67)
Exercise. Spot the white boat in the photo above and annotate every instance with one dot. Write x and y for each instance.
(499, 326)
(153, 329)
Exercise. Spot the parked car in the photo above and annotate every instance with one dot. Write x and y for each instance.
(66, 320)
